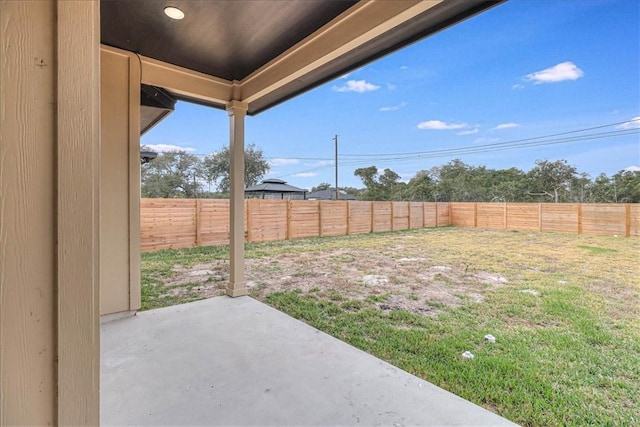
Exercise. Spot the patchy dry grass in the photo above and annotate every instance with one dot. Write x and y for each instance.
(565, 310)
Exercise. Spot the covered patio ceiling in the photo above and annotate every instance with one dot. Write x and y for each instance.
(264, 52)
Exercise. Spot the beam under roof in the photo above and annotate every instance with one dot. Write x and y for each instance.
(348, 35)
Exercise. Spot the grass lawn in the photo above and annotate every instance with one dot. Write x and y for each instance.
(565, 310)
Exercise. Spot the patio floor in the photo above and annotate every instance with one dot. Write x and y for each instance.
(225, 361)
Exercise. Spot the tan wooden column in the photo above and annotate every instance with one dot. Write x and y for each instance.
(237, 112)
(49, 222)
(78, 215)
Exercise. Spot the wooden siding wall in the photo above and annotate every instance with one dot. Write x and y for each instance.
(184, 223)
(49, 216)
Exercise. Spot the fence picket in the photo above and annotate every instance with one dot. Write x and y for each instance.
(181, 223)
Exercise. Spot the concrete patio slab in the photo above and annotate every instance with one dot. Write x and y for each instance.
(225, 361)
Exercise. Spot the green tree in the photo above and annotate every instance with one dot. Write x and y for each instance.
(380, 186)
(582, 189)
(506, 185)
(355, 192)
(217, 167)
(459, 182)
(603, 189)
(626, 186)
(369, 177)
(552, 179)
(320, 187)
(172, 175)
(422, 187)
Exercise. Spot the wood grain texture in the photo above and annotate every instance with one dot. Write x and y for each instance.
(382, 216)
(135, 286)
(171, 223)
(78, 134)
(416, 215)
(119, 182)
(634, 220)
(237, 113)
(359, 217)
(27, 213)
(304, 216)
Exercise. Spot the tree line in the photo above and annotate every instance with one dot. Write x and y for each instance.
(183, 175)
(456, 181)
(178, 174)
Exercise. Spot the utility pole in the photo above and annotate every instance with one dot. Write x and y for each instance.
(335, 139)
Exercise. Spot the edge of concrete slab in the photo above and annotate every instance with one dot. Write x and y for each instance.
(237, 361)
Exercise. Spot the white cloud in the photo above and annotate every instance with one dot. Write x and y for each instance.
(391, 86)
(632, 168)
(517, 86)
(634, 123)
(558, 73)
(468, 132)
(283, 162)
(486, 140)
(506, 126)
(359, 86)
(320, 163)
(305, 174)
(393, 108)
(168, 148)
(404, 67)
(440, 125)
(345, 76)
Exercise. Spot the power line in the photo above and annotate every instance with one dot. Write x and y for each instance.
(503, 143)
(503, 146)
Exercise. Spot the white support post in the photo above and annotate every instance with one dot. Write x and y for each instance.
(237, 111)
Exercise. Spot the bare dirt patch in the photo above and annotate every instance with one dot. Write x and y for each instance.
(411, 283)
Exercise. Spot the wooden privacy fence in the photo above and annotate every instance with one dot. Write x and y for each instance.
(602, 219)
(184, 223)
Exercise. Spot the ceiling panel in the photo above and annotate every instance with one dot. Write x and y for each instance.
(222, 38)
(232, 39)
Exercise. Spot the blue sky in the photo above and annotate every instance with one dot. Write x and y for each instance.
(522, 70)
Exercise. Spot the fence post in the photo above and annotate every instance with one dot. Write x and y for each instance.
(539, 216)
(198, 221)
(409, 215)
(372, 217)
(248, 213)
(627, 220)
(450, 210)
(475, 215)
(505, 215)
(579, 218)
(320, 218)
(288, 233)
(436, 203)
(348, 217)
(392, 215)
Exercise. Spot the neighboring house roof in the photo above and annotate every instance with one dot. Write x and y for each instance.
(274, 186)
(329, 194)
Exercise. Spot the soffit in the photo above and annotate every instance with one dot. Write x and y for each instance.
(273, 50)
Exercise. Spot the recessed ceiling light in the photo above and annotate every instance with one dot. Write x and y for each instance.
(173, 12)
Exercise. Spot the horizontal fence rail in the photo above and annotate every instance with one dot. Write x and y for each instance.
(185, 223)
